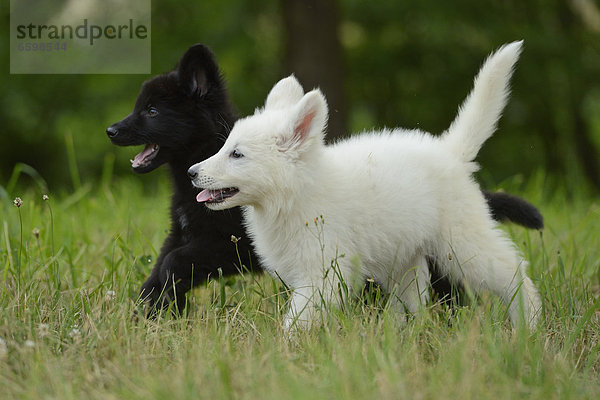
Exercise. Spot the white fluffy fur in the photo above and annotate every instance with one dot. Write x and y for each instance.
(388, 199)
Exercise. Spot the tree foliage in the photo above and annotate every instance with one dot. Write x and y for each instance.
(405, 64)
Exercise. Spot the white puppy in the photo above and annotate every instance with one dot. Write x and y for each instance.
(388, 199)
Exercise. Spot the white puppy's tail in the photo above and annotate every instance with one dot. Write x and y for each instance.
(478, 116)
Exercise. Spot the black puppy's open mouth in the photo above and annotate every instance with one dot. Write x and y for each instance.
(145, 156)
(216, 196)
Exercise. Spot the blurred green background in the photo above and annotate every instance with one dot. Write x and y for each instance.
(380, 63)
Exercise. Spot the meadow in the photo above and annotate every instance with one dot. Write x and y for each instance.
(71, 265)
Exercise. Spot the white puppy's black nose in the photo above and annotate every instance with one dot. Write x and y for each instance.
(192, 173)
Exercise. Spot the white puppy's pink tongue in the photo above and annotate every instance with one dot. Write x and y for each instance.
(203, 196)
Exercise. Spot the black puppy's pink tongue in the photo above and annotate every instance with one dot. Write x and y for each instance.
(141, 157)
(204, 195)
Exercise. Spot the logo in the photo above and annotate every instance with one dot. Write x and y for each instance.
(80, 36)
(83, 31)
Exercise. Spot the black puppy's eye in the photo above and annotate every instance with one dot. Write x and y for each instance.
(236, 154)
(152, 112)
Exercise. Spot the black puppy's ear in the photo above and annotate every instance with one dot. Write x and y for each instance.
(197, 70)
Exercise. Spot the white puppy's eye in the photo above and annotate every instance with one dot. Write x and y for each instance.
(236, 154)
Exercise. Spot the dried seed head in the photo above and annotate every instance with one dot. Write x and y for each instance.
(43, 330)
(3, 349)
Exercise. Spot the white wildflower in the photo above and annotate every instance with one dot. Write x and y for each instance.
(43, 330)
(75, 334)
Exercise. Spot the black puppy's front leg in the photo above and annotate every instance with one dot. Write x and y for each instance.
(180, 270)
(154, 293)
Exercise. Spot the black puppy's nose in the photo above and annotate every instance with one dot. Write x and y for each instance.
(192, 173)
(111, 131)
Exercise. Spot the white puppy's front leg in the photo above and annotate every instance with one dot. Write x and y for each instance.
(302, 309)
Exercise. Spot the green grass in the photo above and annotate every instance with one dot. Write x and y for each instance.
(67, 298)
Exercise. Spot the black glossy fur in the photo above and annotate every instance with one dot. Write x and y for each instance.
(186, 112)
(506, 207)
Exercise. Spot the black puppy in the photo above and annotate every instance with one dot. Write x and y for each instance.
(182, 117)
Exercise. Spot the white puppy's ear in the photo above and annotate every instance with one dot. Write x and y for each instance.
(309, 119)
(285, 93)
